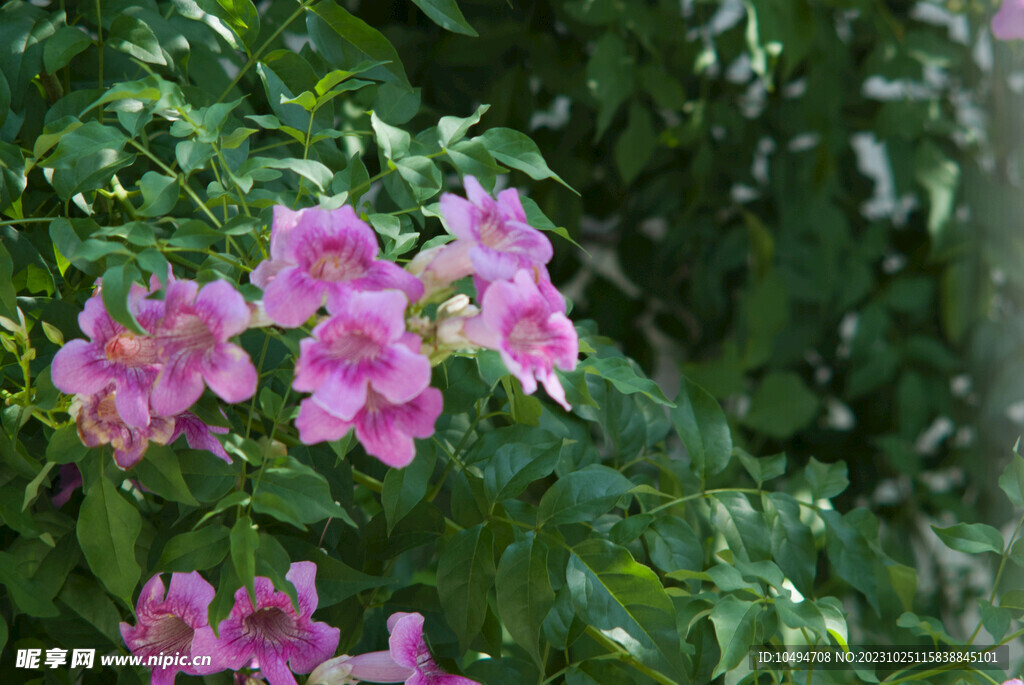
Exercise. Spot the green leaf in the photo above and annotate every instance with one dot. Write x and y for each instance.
(107, 529)
(744, 528)
(244, 543)
(117, 281)
(160, 472)
(134, 37)
(311, 170)
(210, 13)
(22, 591)
(405, 488)
(626, 602)
(516, 464)
(734, 620)
(453, 129)
(701, 424)
(196, 550)
(762, 469)
(851, 555)
(582, 495)
(635, 146)
(940, 177)
(516, 150)
(368, 42)
(673, 545)
(995, 619)
(87, 599)
(422, 175)
(792, 541)
(393, 141)
(1012, 479)
(781, 406)
(65, 447)
(803, 614)
(904, 584)
(297, 494)
(826, 480)
(465, 573)
(159, 193)
(610, 77)
(63, 46)
(447, 15)
(524, 592)
(621, 373)
(335, 581)
(971, 538)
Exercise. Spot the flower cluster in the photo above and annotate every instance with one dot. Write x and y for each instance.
(367, 364)
(270, 635)
(132, 389)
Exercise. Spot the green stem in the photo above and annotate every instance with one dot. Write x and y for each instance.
(999, 574)
(181, 181)
(366, 184)
(613, 646)
(259, 53)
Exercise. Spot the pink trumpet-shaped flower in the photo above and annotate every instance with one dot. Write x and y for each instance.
(532, 338)
(386, 430)
(409, 649)
(319, 255)
(282, 640)
(174, 624)
(372, 667)
(113, 354)
(1008, 22)
(192, 340)
(492, 234)
(360, 347)
(198, 434)
(99, 423)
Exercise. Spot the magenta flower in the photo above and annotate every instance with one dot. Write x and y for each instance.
(319, 255)
(409, 649)
(99, 423)
(198, 434)
(385, 429)
(499, 238)
(532, 338)
(174, 624)
(281, 639)
(192, 340)
(69, 479)
(1008, 22)
(114, 355)
(359, 347)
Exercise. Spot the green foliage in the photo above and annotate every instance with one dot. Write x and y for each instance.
(633, 539)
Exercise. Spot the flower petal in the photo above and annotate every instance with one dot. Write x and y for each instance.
(460, 216)
(189, 597)
(378, 667)
(177, 387)
(230, 374)
(317, 425)
(222, 309)
(80, 367)
(302, 574)
(406, 641)
(293, 297)
(318, 643)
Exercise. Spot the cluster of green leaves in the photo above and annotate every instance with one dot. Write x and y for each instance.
(836, 300)
(583, 547)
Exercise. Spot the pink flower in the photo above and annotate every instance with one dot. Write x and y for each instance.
(99, 423)
(385, 429)
(281, 639)
(532, 338)
(319, 255)
(171, 625)
(114, 355)
(199, 435)
(360, 347)
(1014, 681)
(409, 649)
(373, 667)
(1008, 22)
(493, 235)
(192, 340)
